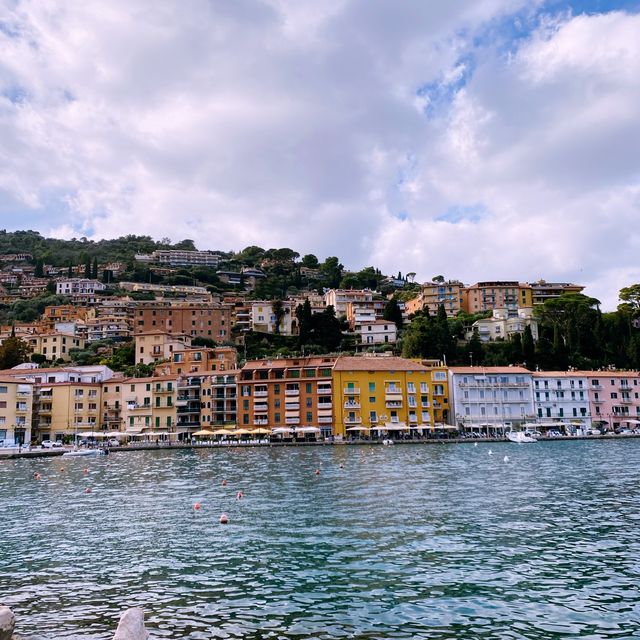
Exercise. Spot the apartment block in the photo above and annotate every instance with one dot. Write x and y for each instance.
(503, 324)
(206, 320)
(614, 398)
(83, 290)
(434, 294)
(339, 299)
(376, 332)
(486, 296)
(16, 408)
(218, 399)
(561, 399)
(176, 257)
(491, 398)
(152, 346)
(372, 392)
(288, 392)
(54, 345)
(185, 360)
(542, 291)
(263, 318)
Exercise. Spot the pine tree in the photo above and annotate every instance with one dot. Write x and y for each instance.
(94, 269)
(528, 349)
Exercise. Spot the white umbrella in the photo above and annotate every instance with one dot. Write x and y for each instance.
(282, 430)
(308, 430)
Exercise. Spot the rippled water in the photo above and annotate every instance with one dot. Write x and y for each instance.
(431, 541)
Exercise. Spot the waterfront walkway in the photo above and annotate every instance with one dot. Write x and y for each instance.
(9, 454)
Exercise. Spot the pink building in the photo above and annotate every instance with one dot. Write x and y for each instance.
(614, 398)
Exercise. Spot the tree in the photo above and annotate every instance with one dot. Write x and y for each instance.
(393, 312)
(87, 268)
(630, 297)
(39, 269)
(13, 351)
(278, 312)
(475, 348)
(438, 279)
(528, 348)
(94, 268)
(305, 322)
(332, 269)
(310, 261)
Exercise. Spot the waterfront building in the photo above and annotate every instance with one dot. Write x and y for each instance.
(142, 406)
(370, 392)
(16, 409)
(561, 400)
(66, 409)
(218, 396)
(503, 324)
(614, 398)
(491, 399)
(30, 372)
(287, 392)
(542, 291)
(487, 296)
(203, 319)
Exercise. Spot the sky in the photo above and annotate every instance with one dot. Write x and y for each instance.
(475, 139)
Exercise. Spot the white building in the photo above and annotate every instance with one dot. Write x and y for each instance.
(176, 257)
(80, 288)
(377, 332)
(339, 298)
(562, 400)
(503, 324)
(491, 399)
(263, 318)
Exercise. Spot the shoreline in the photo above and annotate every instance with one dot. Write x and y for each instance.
(50, 453)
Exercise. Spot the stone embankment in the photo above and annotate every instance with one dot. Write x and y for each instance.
(130, 627)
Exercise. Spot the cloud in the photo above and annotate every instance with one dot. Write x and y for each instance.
(427, 139)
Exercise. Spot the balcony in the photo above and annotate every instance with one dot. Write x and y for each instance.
(22, 408)
(292, 392)
(392, 393)
(292, 420)
(626, 401)
(425, 405)
(598, 401)
(292, 406)
(596, 387)
(353, 420)
(351, 391)
(393, 404)
(166, 389)
(139, 407)
(260, 421)
(324, 405)
(352, 405)
(324, 391)
(413, 418)
(325, 419)
(261, 394)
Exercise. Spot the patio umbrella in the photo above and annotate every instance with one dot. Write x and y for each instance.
(282, 430)
(357, 429)
(202, 432)
(308, 430)
(115, 434)
(261, 431)
(241, 432)
(222, 432)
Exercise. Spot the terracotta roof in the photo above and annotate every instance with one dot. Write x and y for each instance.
(585, 374)
(480, 371)
(282, 363)
(377, 363)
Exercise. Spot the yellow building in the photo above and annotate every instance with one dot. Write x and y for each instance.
(378, 392)
(66, 409)
(16, 405)
(54, 345)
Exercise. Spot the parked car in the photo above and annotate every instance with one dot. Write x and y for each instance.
(533, 433)
(50, 444)
(594, 432)
(113, 442)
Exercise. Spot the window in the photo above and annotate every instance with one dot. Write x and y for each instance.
(372, 386)
(309, 416)
(308, 387)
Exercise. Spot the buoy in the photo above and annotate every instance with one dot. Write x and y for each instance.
(85, 470)
(490, 452)
(224, 519)
(61, 469)
(317, 472)
(239, 495)
(342, 466)
(197, 506)
(224, 483)
(87, 490)
(475, 444)
(37, 476)
(506, 459)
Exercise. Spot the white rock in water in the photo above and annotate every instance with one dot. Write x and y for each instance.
(131, 626)
(7, 623)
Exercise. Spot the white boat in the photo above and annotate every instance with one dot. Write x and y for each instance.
(84, 452)
(520, 437)
(387, 441)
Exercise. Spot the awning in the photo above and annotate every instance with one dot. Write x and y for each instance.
(393, 427)
(447, 426)
(630, 421)
(358, 429)
(114, 434)
(242, 432)
(222, 432)
(281, 430)
(93, 434)
(308, 430)
(202, 432)
(261, 431)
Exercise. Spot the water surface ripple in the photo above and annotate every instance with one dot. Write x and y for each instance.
(387, 542)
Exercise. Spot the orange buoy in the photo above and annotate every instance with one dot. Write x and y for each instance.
(87, 490)
(224, 519)
(239, 495)
(85, 471)
(197, 506)
(61, 469)
(224, 483)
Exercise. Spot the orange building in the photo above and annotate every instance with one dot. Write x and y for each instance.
(487, 296)
(199, 359)
(288, 392)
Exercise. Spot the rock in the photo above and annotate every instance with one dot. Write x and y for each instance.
(7, 623)
(131, 626)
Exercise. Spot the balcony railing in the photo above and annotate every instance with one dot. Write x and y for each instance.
(352, 405)
(393, 404)
(325, 419)
(324, 391)
(292, 392)
(351, 391)
(292, 420)
(353, 420)
(261, 394)
(260, 421)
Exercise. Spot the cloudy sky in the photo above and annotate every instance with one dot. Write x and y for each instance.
(478, 139)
